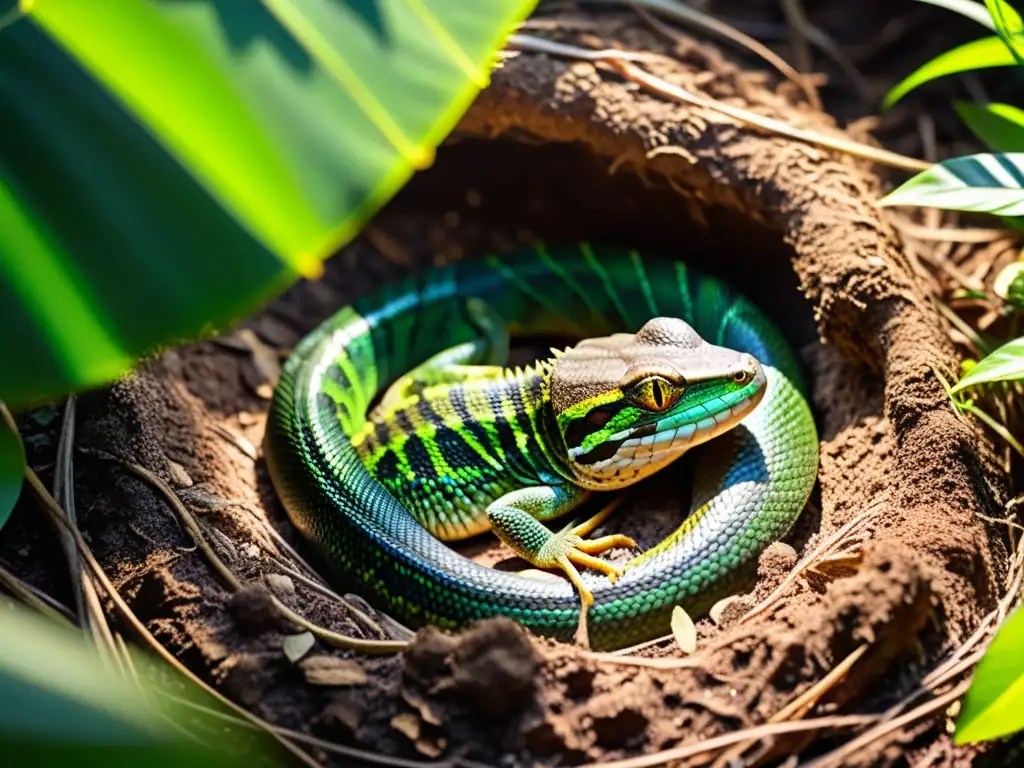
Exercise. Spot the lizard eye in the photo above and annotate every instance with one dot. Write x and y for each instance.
(654, 393)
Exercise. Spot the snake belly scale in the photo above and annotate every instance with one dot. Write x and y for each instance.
(330, 458)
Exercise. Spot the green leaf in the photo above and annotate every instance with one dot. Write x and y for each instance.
(61, 704)
(12, 470)
(1009, 25)
(969, 8)
(1002, 364)
(977, 54)
(1001, 126)
(994, 704)
(980, 183)
(166, 167)
(1009, 284)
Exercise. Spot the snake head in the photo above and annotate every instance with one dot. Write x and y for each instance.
(627, 405)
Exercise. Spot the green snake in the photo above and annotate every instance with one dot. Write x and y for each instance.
(669, 358)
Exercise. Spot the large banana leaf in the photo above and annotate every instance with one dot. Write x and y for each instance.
(61, 704)
(12, 469)
(167, 165)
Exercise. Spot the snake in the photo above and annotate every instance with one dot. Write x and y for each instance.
(397, 428)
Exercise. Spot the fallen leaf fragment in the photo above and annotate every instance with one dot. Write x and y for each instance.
(330, 670)
(407, 724)
(684, 630)
(297, 646)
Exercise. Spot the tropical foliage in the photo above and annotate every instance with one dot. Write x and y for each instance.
(165, 168)
(987, 183)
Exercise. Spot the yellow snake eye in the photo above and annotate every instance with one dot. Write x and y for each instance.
(654, 394)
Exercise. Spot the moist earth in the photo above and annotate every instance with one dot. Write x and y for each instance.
(561, 151)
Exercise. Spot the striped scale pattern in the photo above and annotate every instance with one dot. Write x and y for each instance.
(751, 483)
(449, 457)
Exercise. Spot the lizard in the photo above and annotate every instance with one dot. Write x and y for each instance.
(669, 358)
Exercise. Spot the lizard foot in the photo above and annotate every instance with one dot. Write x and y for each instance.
(566, 550)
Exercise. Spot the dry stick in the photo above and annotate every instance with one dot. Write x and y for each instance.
(279, 540)
(630, 650)
(796, 20)
(728, 739)
(620, 61)
(370, 621)
(799, 706)
(281, 734)
(313, 741)
(958, 663)
(803, 703)
(57, 515)
(247, 449)
(35, 599)
(968, 235)
(64, 494)
(145, 692)
(819, 39)
(87, 601)
(972, 336)
(819, 551)
(229, 576)
(688, 15)
(327, 592)
(676, 93)
(690, 662)
(995, 426)
(838, 756)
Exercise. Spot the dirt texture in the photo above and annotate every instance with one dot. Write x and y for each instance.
(561, 150)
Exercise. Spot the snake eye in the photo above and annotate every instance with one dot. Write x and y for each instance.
(654, 394)
(741, 377)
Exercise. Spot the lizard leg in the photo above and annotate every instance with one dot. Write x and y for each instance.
(515, 519)
(481, 358)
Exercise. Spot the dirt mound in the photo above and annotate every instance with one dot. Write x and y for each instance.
(561, 151)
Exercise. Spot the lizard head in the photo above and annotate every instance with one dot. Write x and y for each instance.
(628, 404)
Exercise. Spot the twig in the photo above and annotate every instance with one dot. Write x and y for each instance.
(801, 705)
(313, 741)
(995, 426)
(327, 592)
(89, 610)
(688, 15)
(728, 739)
(630, 650)
(819, 551)
(235, 583)
(752, 119)
(35, 599)
(796, 20)
(959, 661)
(945, 234)
(246, 448)
(64, 494)
(689, 662)
(837, 757)
(819, 39)
(147, 693)
(209, 500)
(621, 62)
(973, 337)
(57, 515)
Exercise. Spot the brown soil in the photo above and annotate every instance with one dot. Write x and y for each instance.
(560, 151)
